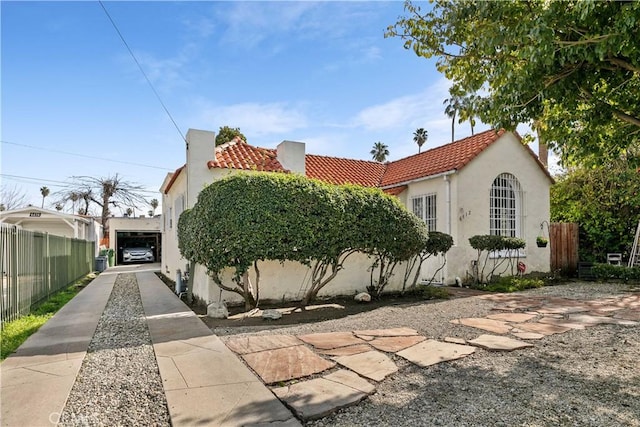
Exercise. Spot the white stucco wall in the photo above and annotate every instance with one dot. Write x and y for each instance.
(472, 191)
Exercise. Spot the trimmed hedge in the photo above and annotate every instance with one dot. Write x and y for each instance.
(604, 272)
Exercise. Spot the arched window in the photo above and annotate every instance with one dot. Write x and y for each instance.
(506, 206)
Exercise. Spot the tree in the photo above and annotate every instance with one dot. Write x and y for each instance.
(379, 152)
(317, 224)
(226, 134)
(154, 205)
(420, 137)
(12, 197)
(468, 110)
(574, 66)
(437, 244)
(129, 212)
(453, 106)
(605, 202)
(104, 192)
(59, 207)
(45, 192)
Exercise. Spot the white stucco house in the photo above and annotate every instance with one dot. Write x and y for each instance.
(53, 222)
(489, 183)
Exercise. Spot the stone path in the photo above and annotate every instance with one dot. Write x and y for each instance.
(317, 374)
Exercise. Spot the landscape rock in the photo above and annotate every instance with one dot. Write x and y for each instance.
(217, 310)
(271, 314)
(363, 297)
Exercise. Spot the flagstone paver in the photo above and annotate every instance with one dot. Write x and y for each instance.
(499, 343)
(284, 364)
(391, 332)
(512, 317)
(252, 344)
(322, 396)
(455, 340)
(329, 340)
(394, 344)
(563, 322)
(372, 364)
(497, 326)
(528, 335)
(430, 352)
(628, 314)
(543, 328)
(347, 351)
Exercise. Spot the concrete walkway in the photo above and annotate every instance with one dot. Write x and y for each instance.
(204, 382)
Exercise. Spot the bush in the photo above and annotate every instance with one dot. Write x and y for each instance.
(437, 243)
(513, 284)
(245, 218)
(604, 272)
(432, 292)
(488, 245)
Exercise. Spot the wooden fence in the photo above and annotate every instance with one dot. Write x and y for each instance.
(563, 240)
(34, 265)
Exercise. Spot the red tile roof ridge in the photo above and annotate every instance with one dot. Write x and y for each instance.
(173, 178)
(346, 158)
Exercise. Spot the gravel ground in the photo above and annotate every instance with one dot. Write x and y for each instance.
(119, 381)
(585, 377)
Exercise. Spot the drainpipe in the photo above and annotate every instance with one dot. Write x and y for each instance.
(448, 202)
(448, 218)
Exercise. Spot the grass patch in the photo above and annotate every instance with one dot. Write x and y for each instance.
(16, 332)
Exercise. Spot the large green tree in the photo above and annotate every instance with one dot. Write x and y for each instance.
(226, 134)
(605, 202)
(574, 66)
(317, 224)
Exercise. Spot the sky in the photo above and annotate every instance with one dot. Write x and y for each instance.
(75, 103)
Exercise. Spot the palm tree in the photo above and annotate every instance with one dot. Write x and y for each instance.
(420, 137)
(379, 152)
(453, 105)
(45, 192)
(59, 207)
(468, 110)
(154, 205)
(129, 212)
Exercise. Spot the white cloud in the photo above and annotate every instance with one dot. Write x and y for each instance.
(415, 110)
(254, 119)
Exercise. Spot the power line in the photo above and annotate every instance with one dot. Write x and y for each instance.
(86, 156)
(52, 182)
(142, 71)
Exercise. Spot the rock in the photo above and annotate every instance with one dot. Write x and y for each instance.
(363, 297)
(271, 314)
(217, 310)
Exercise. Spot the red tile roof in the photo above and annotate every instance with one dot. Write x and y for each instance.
(337, 170)
(394, 191)
(453, 156)
(237, 154)
(174, 176)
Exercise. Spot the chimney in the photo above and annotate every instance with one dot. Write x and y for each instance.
(543, 153)
(291, 156)
(201, 147)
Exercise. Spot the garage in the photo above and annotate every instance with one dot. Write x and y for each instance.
(135, 240)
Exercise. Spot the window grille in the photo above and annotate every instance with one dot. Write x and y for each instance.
(506, 203)
(424, 207)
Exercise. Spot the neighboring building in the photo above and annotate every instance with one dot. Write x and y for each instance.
(141, 232)
(54, 222)
(489, 183)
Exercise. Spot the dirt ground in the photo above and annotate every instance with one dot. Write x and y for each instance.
(320, 310)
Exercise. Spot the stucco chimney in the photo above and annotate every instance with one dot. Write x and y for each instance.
(543, 153)
(201, 146)
(291, 156)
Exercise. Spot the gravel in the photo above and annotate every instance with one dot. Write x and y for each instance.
(585, 377)
(119, 382)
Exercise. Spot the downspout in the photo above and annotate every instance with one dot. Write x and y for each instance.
(447, 192)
